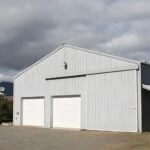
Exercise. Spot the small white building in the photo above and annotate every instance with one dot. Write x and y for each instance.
(74, 87)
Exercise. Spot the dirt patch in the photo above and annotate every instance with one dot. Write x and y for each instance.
(26, 138)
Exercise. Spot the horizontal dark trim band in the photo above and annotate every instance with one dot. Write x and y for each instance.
(65, 96)
(34, 97)
(83, 74)
(74, 76)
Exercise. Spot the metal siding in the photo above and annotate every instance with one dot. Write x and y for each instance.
(32, 83)
(54, 63)
(80, 62)
(29, 84)
(76, 60)
(109, 104)
(98, 62)
(112, 101)
(64, 87)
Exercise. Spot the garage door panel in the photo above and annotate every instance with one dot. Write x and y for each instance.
(33, 112)
(67, 112)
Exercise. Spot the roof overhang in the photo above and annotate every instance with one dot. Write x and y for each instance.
(146, 87)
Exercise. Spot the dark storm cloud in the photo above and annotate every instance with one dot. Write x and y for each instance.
(30, 29)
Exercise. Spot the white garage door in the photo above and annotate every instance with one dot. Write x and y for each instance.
(67, 112)
(33, 112)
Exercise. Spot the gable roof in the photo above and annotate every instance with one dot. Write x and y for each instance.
(82, 49)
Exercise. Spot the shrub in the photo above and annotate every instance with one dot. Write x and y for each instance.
(6, 111)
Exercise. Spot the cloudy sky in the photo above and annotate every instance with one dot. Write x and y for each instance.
(29, 29)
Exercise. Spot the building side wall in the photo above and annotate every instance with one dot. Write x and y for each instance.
(145, 74)
(145, 110)
(145, 98)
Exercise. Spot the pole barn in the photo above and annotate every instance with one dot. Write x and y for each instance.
(74, 87)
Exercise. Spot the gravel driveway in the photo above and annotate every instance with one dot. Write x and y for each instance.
(28, 138)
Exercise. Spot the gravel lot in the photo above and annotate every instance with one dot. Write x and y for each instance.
(28, 138)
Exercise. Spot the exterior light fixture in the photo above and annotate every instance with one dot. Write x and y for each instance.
(65, 65)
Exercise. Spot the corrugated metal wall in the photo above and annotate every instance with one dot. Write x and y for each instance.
(112, 101)
(80, 62)
(65, 87)
(109, 101)
(32, 82)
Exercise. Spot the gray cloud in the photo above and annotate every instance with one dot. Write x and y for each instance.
(30, 29)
